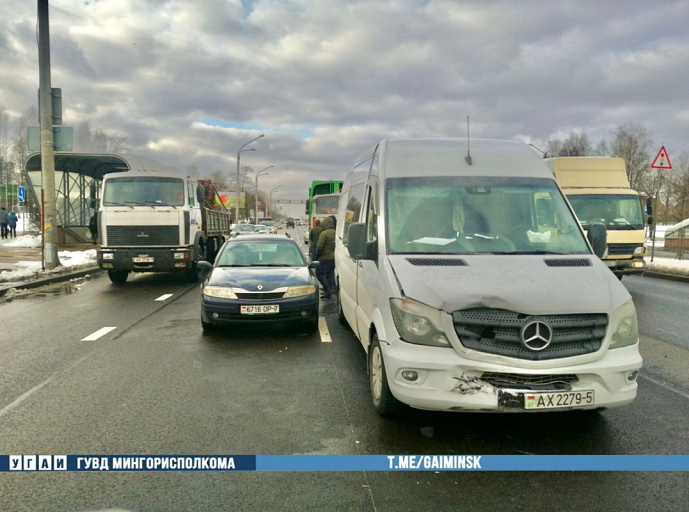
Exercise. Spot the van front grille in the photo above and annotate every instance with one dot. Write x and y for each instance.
(532, 382)
(498, 331)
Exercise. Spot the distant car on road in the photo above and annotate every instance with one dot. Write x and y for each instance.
(260, 228)
(290, 223)
(259, 279)
(270, 226)
(243, 229)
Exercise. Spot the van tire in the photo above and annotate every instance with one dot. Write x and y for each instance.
(340, 313)
(383, 400)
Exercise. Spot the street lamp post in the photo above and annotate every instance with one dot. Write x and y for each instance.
(259, 173)
(236, 219)
(270, 198)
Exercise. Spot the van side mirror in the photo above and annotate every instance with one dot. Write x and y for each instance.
(359, 248)
(598, 237)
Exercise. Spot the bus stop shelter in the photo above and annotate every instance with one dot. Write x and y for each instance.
(75, 174)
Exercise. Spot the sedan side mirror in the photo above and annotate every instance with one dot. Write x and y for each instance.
(204, 267)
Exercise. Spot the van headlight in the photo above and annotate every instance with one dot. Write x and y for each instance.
(624, 322)
(418, 323)
(299, 291)
(220, 292)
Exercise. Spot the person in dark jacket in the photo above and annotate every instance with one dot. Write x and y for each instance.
(12, 225)
(3, 222)
(325, 250)
(313, 238)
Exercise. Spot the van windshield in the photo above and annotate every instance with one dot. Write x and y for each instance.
(470, 215)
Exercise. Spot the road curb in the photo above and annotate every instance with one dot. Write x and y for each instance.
(58, 278)
(668, 277)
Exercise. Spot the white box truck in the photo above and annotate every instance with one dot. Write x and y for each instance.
(599, 191)
(151, 221)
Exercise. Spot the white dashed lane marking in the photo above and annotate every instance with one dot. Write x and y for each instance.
(323, 328)
(99, 333)
(164, 297)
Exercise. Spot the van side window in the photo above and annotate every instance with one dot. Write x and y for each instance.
(372, 214)
(354, 201)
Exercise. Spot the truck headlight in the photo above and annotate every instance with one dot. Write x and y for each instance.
(181, 256)
(108, 255)
(626, 330)
(640, 251)
(299, 291)
(418, 323)
(220, 292)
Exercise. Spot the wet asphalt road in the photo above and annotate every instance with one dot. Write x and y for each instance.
(156, 385)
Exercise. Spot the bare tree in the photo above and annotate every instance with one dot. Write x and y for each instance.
(577, 144)
(5, 163)
(633, 143)
(90, 140)
(220, 179)
(680, 198)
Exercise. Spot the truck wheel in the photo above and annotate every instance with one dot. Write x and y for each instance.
(118, 276)
(383, 400)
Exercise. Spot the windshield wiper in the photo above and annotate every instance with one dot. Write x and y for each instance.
(538, 251)
(123, 203)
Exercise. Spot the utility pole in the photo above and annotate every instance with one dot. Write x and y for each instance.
(47, 155)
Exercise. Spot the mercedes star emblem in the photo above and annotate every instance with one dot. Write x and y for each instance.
(536, 334)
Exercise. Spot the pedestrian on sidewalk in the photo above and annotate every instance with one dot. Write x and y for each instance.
(325, 250)
(12, 224)
(3, 222)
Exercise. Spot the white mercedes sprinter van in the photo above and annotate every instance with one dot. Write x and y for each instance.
(472, 287)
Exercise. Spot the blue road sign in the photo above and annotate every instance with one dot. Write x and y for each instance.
(21, 194)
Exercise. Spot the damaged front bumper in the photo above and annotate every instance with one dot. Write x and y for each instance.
(441, 379)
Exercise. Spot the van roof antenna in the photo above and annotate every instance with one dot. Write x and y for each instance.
(468, 157)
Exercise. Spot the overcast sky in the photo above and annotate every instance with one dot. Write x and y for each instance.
(189, 81)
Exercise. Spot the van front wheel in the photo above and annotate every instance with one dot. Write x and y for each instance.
(383, 400)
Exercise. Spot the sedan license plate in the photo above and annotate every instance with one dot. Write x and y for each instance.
(260, 310)
(147, 259)
(558, 400)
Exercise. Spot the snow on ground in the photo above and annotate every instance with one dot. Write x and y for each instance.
(668, 265)
(24, 241)
(28, 270)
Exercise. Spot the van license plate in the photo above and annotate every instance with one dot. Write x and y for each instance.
(260, 310)
(147, 259)
(558, 400)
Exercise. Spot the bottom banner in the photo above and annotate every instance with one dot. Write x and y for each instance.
(119, 463)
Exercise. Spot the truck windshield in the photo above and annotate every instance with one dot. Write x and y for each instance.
(469, 215)
(616, 211)
(326, 205)
(145, 190)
